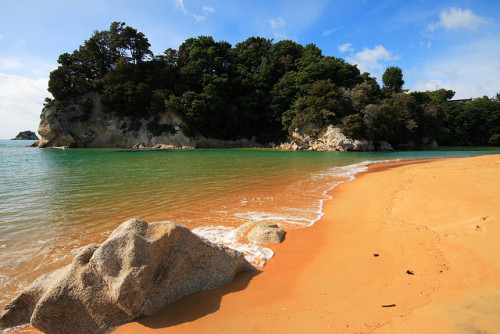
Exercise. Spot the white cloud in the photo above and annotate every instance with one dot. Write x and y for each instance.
(471, 70)
(26, 67)
(208, 10)
(371, 60)
(199, 18)
(277, 23)
(180, 5)
(280, 35)
(346, 47)
(1, 37)
(9, 63)
(457, 19)
(21, 102)
(329, 32)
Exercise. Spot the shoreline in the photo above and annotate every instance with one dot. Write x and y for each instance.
(372, 269)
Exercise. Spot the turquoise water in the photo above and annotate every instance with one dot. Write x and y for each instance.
(53, 201)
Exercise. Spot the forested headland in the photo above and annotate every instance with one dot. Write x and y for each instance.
(262, 89)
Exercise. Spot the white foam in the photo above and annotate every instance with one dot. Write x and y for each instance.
(229, 236)
(268, 217)
(234, 237)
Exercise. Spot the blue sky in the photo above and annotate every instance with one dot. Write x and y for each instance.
(445, 44)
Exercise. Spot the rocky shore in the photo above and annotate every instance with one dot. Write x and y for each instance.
(332, 140)
(87, 124)
(137, 271)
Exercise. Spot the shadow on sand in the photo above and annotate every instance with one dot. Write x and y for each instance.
(196, 305)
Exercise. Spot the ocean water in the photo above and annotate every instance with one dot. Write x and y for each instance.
(54, 201)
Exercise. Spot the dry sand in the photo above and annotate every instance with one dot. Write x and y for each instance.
(422, 239)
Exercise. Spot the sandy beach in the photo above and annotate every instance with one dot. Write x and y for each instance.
(405, 248)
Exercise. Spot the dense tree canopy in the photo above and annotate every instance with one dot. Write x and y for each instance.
(262, 89)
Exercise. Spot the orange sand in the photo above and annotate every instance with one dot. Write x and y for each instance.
(440, 220)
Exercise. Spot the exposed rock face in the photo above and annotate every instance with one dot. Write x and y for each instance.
(137, 271)
(330, 140)
(75, 126)
(266, 233)
(26, 135)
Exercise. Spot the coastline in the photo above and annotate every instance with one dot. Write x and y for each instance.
(434, 227)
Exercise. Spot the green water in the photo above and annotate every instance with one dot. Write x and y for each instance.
(52, 201)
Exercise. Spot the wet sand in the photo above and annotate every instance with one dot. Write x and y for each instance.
(404, 248)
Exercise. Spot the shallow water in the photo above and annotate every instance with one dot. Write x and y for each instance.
(53, 201)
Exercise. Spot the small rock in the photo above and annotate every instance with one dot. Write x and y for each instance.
(267, 233)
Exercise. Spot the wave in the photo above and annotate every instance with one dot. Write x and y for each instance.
(235, 237)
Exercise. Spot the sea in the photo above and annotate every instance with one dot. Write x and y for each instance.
(55, 201)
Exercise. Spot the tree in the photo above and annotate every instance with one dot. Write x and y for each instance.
(322, 106)
(393, 79)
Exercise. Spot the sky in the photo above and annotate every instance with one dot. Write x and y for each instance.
(438, 44)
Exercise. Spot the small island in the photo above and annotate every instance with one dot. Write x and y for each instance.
(26, 135)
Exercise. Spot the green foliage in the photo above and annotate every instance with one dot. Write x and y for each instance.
(97, 57)
(259, 89)
(323, 105)
(393, 79)
(473, 123)
(441, 95)
(354, 127)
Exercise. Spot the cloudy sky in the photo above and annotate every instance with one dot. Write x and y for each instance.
(437, 44)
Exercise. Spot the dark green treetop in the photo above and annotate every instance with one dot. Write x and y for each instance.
(393, 79)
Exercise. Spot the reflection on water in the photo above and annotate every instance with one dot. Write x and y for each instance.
(52, 202)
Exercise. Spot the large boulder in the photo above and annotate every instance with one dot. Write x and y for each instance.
(136, 272)
(266, 233)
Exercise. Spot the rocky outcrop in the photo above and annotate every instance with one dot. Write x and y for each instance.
(332, 139)
(137, 271)
(84, 123)
(26, 135)
(266, 233)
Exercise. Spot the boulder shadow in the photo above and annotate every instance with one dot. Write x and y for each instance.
(196, 305)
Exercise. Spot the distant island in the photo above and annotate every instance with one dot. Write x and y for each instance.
(26, 135)
(114, 92)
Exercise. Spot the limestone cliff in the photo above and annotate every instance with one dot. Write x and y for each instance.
(331, 139)
(78, 124)
(85, 123)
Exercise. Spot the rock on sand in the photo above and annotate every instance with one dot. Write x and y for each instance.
(136, 272)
